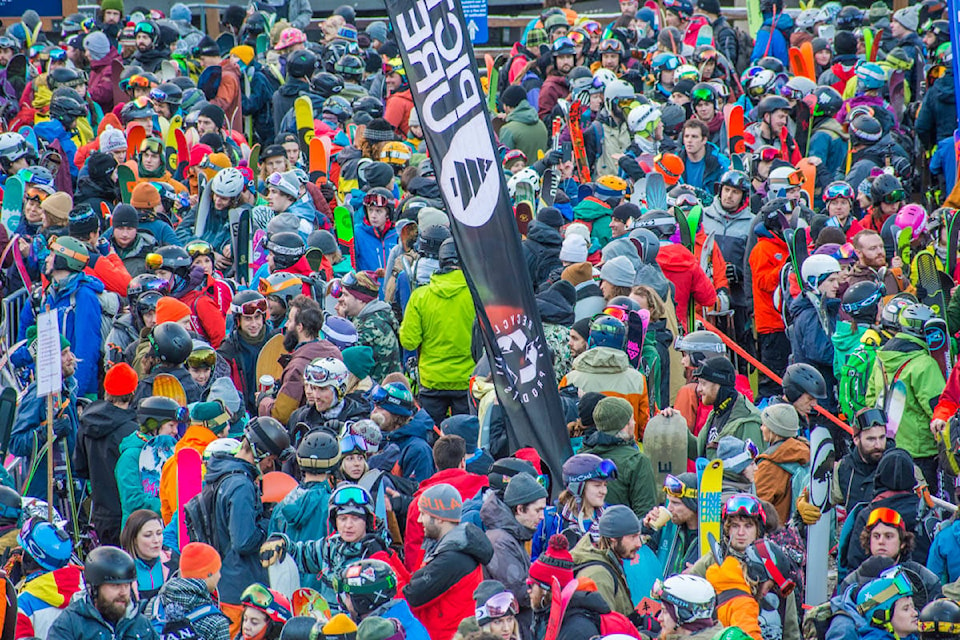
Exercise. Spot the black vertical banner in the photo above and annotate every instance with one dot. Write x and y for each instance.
(442, 73)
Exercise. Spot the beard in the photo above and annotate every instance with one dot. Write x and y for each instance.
(291, 339)
(113, 610)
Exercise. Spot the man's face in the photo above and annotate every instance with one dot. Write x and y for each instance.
(897, 30)
(124, 236)
(205, 125)
(113, 600)
(804, 404)
(830, 286)
(871, 252)
(680, 514)
(143, 41)
(871, 443)
(393, 81)
(276, 309)
(904, 617)
(377, 216)
(707, 391)
(617, 227)
(68, 362)
(162, 109)
(610, 61)
(693, 141)
(348, 306)
(564, 63)
(278, 200)
(577, 344)
(5, 56)
(742, 531)
(626, 547)
(252, 325)
(293, 152)
(778, 120)
(431, 526)
(151, 160)
(351, 527)
(840, 208)
(530, 515)
(112, 16)
(705, 111)
(323, 398)
(730, 198)
(220, 203)
(276, 164)
(885, 541)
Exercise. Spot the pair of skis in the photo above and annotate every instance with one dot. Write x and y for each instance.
(801, 61)
(576, 137)
(689, 223)
(797, 246)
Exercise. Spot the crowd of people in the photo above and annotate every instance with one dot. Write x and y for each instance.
(293, 324)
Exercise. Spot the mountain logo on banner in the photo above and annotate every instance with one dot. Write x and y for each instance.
(470, 177)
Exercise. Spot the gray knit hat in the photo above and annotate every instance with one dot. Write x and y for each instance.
(733, 452)
(441, 501)
(782, 419)
(619, 272)
(618, 521)
(523, 489)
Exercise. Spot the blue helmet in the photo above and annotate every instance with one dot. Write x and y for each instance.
(49, 545)
(607, 331)
(876, 598)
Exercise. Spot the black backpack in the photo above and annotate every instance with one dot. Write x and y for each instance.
(744, 50)
(200, 513)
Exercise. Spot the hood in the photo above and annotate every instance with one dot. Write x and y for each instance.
(495, 514)
(895, 472)
(602, 360)
(587, 598)
(106, 61)
(449, 284)
(293, 88)
(554, 306)
(675, 258)
(303, 504)
(88, 187)
(374, 306)
(524, 114)
(185, 591)
(219, 466)
(784, 22)
(74, 283)
(591, 209)
(728, 575)
(133, 441)
(56, 588)
(900, 349)
(469, 539)
(418, 427)
(790, 450)
(196, 437)
(467, 484)
(100, 419)
(544, 234)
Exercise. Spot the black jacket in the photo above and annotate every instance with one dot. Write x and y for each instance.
(353, 409)
(284, 98)
(582, 618)
(453, 558)
(541, 252)
(855, 478)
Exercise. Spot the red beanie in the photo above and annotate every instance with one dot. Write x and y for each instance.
(199, 560)
(171, 310)
(555, 562)
(120, 380)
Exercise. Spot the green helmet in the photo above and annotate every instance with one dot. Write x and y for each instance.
(69, 254)
(366, 577)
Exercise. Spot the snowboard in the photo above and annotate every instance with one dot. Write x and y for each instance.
(576, 137)
(116, 70)
(254, 161)
(665, 443)
(203, 207)
(928, 284)
(303, 114)
(284, 576)
(244, 247)
(189, 483)
(8, 410)
(641, 574)
(343, 225)
(127, 180)
(896, 402)
(31, 137)
(548, 189)
(710, 503)
(170, 143)
(524, 215)
(953, 242)
(18, 70)
(268, 362)
(938, 341)
(167, 385)
(12, 209)
(263, 44)
(656, 191)
(493, 79)
(809, 66)
(183, 154)
(135, 138)
(822, 458)
(559, 599)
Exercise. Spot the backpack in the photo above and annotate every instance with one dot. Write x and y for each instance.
(744, 50)
(615, 623)
(200, 513)
(854, 376)
(179, 625)
(799, 480)
(816, 621)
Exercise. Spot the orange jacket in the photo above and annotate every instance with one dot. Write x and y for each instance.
(195, 437)
(737, 610)
(228, 94)
(767, 258)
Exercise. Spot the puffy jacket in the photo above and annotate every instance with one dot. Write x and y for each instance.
(77, 303)
(553, 88)
(541, 251)
(905, 358)
(740, 610)
(438, 323)
(290, 395)
(440, 593)
(582, 616)
(100, 85)
(938, 112)
(510, 562)
(607, 370)
(205, 314)
(739, 418)
(405, 452)
(944, 556)
(196, 437)
(467, 484)
(109, 270)
(303, 516)
(690, 282)
(773, 481)
(82, 621)
(377, 328)
(525, 131)
(606, 572)
(372, 247)
(133, 496)
(43, 597)
(635, 485)
(190, 594)
(228, 94)
(767, 258)
(397, 110)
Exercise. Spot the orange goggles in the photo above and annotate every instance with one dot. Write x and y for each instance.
(37, 195)
(887, 517)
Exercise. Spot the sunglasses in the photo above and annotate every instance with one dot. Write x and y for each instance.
(895, 196)
(352, 444)
(350, 495)
(675, 488)
(744, 505)
(501, 605)
(251, 308)
(204, 359)
(885, 516)
(199, 248)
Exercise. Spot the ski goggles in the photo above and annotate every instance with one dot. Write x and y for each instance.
(153, 261)
(702, 94)
(686, 201)
(869, 418)
(202, 359)
(895, 196)
(621, 314)
(339, 284)
(610, 46)
(577, 38)
(351, 495)
(749, 453)
(887, 516)
(318, 375)
(794, 178)
(675, 488)
(376, 200)
(606, 470)
(514, 155)
(138, 81)
(591, 26)
(159, 95)
(251, 308)
(899, 587)
(742, 504)
(258, 596)
(937, 626)
(765, 154)
(6, 42)
(498, 606)
(352, 444)
(267, 289)
(153, 145)
(836, 190)
(37, 195)
(854, 307)
(791, 93)
(199, 248)
(145, 27)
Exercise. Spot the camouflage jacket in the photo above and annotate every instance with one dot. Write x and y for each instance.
(377, 328)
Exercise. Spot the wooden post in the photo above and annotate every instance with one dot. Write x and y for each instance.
(50, 457)
(213, 21)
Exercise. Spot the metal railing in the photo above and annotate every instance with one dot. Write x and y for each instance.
(10, 308)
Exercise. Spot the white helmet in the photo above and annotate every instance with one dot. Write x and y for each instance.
(326, 372)
(643, 118)
(604, 76)
(780, 178)
(228, 183)
(616, 90)
(815, 269)
(13, 146)
(527, 175)
(692, 597)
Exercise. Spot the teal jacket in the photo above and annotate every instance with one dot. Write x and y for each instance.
(845, 340)
(598, 214)
(132, 495)
(438, 323)
(303, 517)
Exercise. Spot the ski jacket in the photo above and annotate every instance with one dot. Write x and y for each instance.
(837, 76)
(606, 571)
(523, 130)
(511, 561)
(582, 617)
(944, 556)
(228, 94)
(596, 214)
(377, 328)
(205, 314)
(440, 593)
(773, 481)
(290, 395)
(736, 606)
(713, 167)
(556, 519)
(607, 370)
(405, 452)
(151, 576)
(541, 252)
(129, 482)
(43, 597)
(372, 247)
(766, 260)
(635, 486)
(303, 516)
(828, 141)
(284, 98)
(438, 323)
(51, 130)
(554, 87)
(810, 343)
(100, 84)
(773, 38)
(399, 104)
(690, 283)
(190, 594)
(938, 111)
(109, 270)
(742, 420)
(82, 621)
(399, 609)
(258, 102)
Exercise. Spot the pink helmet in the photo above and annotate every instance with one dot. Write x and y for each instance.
(289, 37)
(914, 217)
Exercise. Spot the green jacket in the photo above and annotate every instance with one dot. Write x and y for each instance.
(525, 131)
(635, 485)
(924, 382)
(597, 213)
(377, 328)
(606, 571)
(743, 422)
(439, 322)
(132, 495)
(845, 340)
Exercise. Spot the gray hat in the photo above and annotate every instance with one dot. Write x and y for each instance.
(282, 182)
(377, 30)
(283, 222)
(486, 590)
(97, 45)
(618, 521)
(574, 249)
(431, 215)
(323, 240)
(909, 17)
(441, 501)
(523, 489)
(733, 451)
(223, 389)
(377, 628)
(782, 419)
(689, 480)
(619, 272)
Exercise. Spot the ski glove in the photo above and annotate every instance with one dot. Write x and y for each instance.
(733, 274)
(274, 550)
(62, 427)
(553, 158)
(809, 513)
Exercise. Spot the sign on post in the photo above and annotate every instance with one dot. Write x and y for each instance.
(49, 373)
(475, 14)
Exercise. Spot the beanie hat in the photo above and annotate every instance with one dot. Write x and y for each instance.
(782, 419)
(379, 130)
(120, 380)
(206, 47)
(505, 468)
(222, 390)
(340, 332)
(340, 627)
(555, 562)
(199, 560)
(590, 399)
(619, 272)
(369, 431)
(710, 6)
(359, 360)
(465, 426)
(366, 288)
(377, 628)
(523, 488)
(909, 17)
(626, 211)
(441, 501)
(845, 44)
(582, 327)
(576, 273)
(579, 229)
(245, 52)
(618, 521)
(234, 16)
(215, 113)
(212, 415)
(100, 165)
(895, 471)
(83, 221)
(57, 207)
(97, 45)
(112, 5)
(866, 129)
(112, 139)
(646, 15)
(144, 196)
(376, 174)
(377, 30)
(171, 310)
(431, 215)
(281, 222)
(282, 183)
(513, 95)
(551, 217)
(573, 249)
(820, 44)
(733, 451)
(180, 11)
(689, 479)
(612, 414)
(718, 370)
(323, 240)
(535, 38)
(486, 590)
(124, 216)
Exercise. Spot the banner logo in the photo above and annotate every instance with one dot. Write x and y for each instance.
(520, 349)
(471, 181)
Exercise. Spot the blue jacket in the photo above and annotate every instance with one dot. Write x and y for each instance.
(372, 250)
(809, 342)
(77, 305)
(554, 522)
(305, 211)
(239, 524)
(407, 449)
(868, 632)
(400, 610)
(53, 130)
(259, 102)
(944, 556)
(846, 621)
(30, 427)
(303, 517)
(944, 162)
(828, 145)
(779, 46)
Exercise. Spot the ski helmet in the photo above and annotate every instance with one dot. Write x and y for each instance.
(644, 119)
(647, 244)
(367, 577)
(691, 598)
(13, 146)
(287, 247)
(875, 599)
(615, 94)
(267, 436)
(247, 303)
(797, 88)
(849, 18)
(430, 239)
(145, 283)
(604, 76)
(736, 180)
(784, 178)
(913, 318)
(870, 76)
(817, 268)
(887, 188)
(862, 301)
(745, 505)
(69, 254)
(562, 47)
(663, 62)
(47, 544)
(228, 183)
(368, 104)
(281, 285)
(349, 66)
(327, 372)
(394, 398)
(352, 499)
(154, 411)
(271, 603)
(527, 175)
(167, 93)
(171, 258)
(66, 106)
(700, 345)
(800, 378)
(318, 452)
(890, 316)
(607, 331)
(63, 77)
(828, 102)
(302, 64)
(658, 222)
(138, 109)
(171, 343)
(765, 560)
(586, 466)
(940, 620)
(760, 84)
(339, 107)
(770, 104)
(914, 217)
(109, 565)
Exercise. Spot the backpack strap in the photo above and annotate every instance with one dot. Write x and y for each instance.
(729, 594)
(600, 563)
(203, 611)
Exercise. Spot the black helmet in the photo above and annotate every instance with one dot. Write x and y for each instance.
(167, 93)
(703, 92)
(242, 298)
(326, 84)
(349, 66)
(183, 83)
(109, 565)
(156, 410)
(301, 628)
(862, 301)
(647, 244)
(63, 77)
(914, 317)
(772, 214)
(430, 239)
(301, 64)
(146, 282)
(771, 63)
(447, 255)
(319, 452)
(940, 620)
(828, 103)
(769, 104)
(175, 259)
(624, 302)
(67, 105)
(339, 107)
(802, 378)
(884, 185)
(369, 105)
(850, 18)
(659, 222)
(267, 437)
(171, 343)
(287, 248)
(11, 505)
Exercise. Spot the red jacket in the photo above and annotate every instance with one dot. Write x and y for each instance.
(950, 398)
(468, 484)
(554, 88)
(301, 268)
(205, 316)
(397, 110)
(110, 271)
(873, 220)
(767, 258)
(690, 282)
(100, 86)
